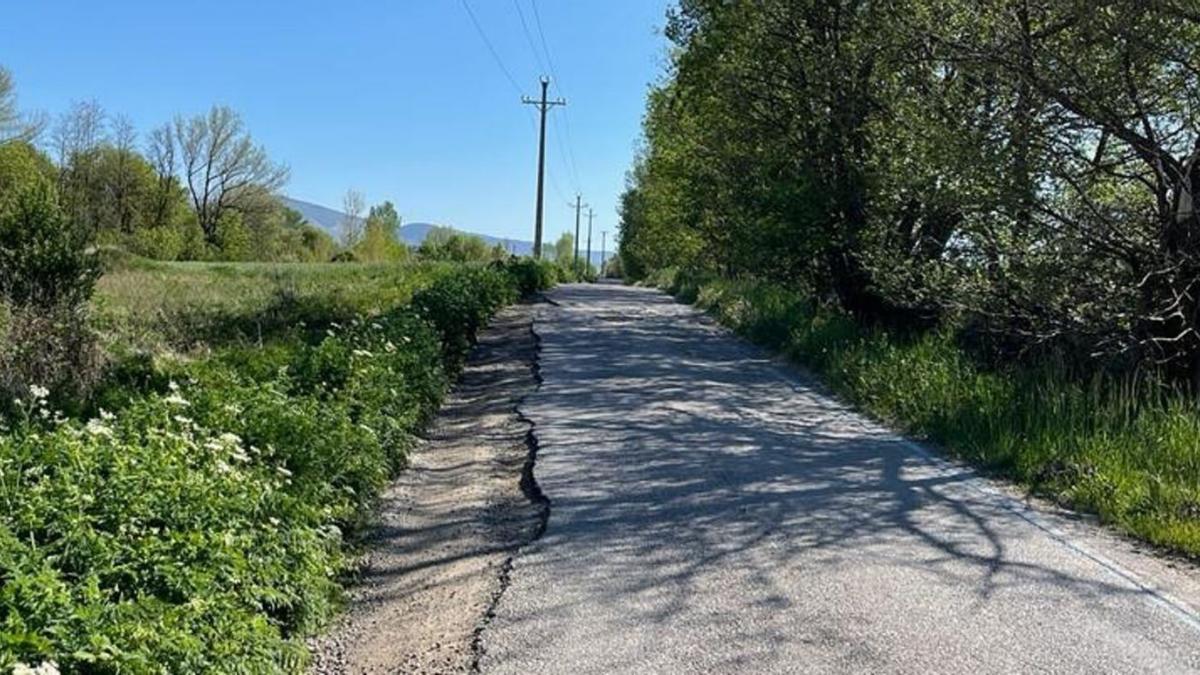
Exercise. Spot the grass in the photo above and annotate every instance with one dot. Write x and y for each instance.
(156, 306)
(1126, 450)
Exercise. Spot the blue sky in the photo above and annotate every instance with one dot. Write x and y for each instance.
(399, 99)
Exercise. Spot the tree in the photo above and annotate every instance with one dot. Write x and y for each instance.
(13, 125)
(353, 205)
(381, 236)
(446, 243)
(1024, 170)
(223, 169)
(76, 137)
(564, 250)
(168, 197)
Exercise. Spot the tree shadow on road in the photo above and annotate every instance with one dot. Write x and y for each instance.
(679, 461)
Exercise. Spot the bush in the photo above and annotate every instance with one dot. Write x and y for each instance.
(458, 305)
(48, 348)
(532, 276)
(202, 522)
(44, 259)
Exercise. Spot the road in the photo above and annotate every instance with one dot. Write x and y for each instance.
(712, 511)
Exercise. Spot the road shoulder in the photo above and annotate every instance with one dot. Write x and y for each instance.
(445, 531)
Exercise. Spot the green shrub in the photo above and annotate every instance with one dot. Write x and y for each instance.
(202, 524)
(532, 276)
(44, 259)
(164, 242)
(458, 305)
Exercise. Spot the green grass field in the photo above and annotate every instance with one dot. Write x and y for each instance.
(157, 306)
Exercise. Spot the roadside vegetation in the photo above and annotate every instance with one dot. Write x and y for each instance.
(975, 219)
(188, 450)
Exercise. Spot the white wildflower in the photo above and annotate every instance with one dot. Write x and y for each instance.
(363, 353)
(46, 668)
(223, 467)
(97, 428)
(107, 416)
(390, 347)
(274, 521)
(182, 420)
(176, 399)
(173, 386)
(283, 471)
(230, 439)
(240, 456)
(38, 391)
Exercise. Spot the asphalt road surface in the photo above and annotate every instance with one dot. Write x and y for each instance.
(712, 511)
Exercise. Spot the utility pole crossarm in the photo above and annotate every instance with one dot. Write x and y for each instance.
(543, 105)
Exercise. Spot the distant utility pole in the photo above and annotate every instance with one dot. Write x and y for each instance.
(588, 262)
(543, 106)
(578, 206)
(603, 249)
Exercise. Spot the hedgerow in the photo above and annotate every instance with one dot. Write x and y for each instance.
(201, 523)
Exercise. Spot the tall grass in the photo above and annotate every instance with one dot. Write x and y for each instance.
(158, 306)
(1127, 450)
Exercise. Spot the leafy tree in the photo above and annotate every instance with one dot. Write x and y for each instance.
(564, 250)
(1024, 170)
(44, 259)
(445, 243)
(20, 165)
(381, 236)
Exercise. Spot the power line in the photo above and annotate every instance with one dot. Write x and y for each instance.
(507, 73)
(537, 19)
(529, 38)
(547, 66)
(495, 55)
(509, 76)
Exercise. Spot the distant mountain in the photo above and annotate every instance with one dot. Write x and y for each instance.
(319, 216)
(330, 220)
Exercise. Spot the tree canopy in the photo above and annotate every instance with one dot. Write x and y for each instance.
(1022, 169)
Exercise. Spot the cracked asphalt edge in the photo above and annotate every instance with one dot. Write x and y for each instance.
(529, 487)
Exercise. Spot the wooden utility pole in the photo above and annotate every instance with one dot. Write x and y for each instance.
(588, 263)
(603, 250)
(543, 107)
(578, 206)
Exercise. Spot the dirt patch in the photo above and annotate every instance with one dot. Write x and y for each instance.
(440, 552)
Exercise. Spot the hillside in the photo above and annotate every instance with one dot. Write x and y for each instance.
(411, 233)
